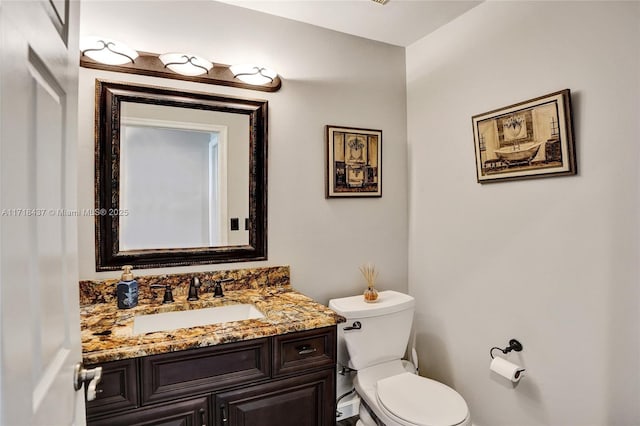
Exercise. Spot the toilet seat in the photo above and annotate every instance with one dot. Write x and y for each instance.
(403, 398)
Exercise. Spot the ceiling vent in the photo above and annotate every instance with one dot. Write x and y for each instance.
(380, 1)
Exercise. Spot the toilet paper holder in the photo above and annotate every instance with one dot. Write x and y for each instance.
(514, 345)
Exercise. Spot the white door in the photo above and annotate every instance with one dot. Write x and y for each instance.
(39, 313)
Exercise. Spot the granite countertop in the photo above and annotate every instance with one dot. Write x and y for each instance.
(107, 332)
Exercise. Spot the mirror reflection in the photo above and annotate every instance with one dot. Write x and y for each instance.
(186, 173)
(198, 157)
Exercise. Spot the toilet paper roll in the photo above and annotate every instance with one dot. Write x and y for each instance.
(507, 369)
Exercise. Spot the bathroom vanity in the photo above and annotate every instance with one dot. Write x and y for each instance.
(286, 379)
(274, 370)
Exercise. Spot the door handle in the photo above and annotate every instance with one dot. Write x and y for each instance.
(89, 377)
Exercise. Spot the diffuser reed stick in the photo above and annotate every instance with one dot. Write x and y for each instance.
(370, 274)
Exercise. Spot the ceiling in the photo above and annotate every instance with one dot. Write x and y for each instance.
(399, 22)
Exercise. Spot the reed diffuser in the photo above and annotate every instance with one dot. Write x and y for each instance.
(370, 274)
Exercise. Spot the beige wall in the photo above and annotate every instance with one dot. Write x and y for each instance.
(552, 262)
(328, 78)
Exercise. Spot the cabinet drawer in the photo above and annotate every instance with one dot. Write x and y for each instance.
(304, 350)
(117, 390)
(196, 371)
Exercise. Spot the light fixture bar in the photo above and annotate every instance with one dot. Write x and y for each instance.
(150, 64)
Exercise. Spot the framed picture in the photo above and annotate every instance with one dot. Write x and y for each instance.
(527, 140)
(354, 162)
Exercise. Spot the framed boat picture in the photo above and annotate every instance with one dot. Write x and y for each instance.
(353, 162)
(530, 139)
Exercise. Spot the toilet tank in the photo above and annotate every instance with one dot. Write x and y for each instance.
(384, 330)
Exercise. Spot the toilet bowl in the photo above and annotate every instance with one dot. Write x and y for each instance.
(391, 392)
(396, 396)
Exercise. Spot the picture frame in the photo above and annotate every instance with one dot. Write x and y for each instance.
(353, 162)
(530, 139)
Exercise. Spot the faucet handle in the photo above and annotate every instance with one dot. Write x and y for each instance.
(217, 287)
(168, 294)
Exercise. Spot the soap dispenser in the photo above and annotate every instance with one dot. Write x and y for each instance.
(127, 289)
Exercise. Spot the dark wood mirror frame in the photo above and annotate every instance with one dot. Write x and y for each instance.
(109, 96)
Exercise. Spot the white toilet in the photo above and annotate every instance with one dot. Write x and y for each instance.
(376, 337)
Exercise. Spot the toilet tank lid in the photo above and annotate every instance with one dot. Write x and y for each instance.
(388, 302)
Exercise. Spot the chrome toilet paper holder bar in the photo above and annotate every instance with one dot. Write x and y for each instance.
(514, 345)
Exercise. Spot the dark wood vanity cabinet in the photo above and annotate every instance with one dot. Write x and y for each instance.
(281, 380)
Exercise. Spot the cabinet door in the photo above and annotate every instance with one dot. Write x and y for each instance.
(117, 391)
(192, 412)
(306, 400)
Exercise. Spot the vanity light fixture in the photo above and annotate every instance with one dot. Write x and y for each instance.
(186, 64)
(253, 74)
(177, 66)
(107, 51)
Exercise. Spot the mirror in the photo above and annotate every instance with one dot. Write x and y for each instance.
(200, 157)
(180, 177)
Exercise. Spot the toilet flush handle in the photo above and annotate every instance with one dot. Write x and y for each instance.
(355, 326)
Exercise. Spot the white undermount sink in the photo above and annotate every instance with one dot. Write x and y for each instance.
(194, 318)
